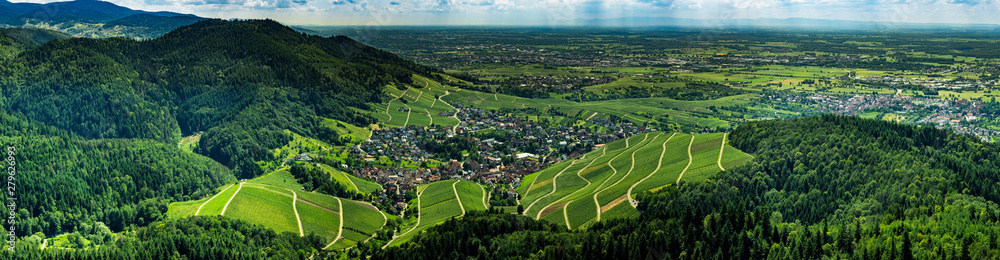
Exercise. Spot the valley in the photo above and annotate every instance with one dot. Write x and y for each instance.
(251, 139)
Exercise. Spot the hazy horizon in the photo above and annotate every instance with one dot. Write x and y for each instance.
(570, 12)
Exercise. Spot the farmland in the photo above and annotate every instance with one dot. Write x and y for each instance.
(276, 201)
(601, 184)
(440, 201)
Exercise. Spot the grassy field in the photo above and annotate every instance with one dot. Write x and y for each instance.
(267, 201)
(189, 208)
(345, 129)
(351, 182)
(189, 142)
(280, 178)
(438, 203)
(596, 185)
(261, 205)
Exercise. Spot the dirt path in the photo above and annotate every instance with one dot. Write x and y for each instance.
(408, 111)
(459, 198)
(387, 109)
(612, 176)
(722, 149)
(209, 200)
(603, 153)
(553, 185)
(484, 197)
(349, 180)
(340, 228)
(231, 199)
(295, 197)
(659, 163)
(591, 116)
(690, 159)
(44, 243)
(453, 128)
(495, 97)
(429, 116)
(566, 215)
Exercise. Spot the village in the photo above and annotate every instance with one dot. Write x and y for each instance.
(961, 116)
(498, 149)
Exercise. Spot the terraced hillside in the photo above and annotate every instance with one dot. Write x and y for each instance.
(276, 201)
(602, 184)
(420, 104)
(440, 201)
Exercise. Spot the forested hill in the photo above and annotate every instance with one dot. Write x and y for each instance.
(242, 82)
(13, 41)
(819, 187)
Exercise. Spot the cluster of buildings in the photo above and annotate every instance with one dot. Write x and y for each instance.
(958, 115)
(930, 83)
(549, 83)
(518, 147)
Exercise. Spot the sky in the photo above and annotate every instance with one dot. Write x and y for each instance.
(570, 12)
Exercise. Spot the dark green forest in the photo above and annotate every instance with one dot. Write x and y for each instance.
(819, 187)
(189, 238)
(241, 82)
(96, 121)
(69, 180)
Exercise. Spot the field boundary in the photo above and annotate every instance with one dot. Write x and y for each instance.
(722, 148)
(340, 227)
(295, 209)
(690, 159)
(459, 198)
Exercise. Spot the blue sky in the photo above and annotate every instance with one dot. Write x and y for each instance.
(568, 12)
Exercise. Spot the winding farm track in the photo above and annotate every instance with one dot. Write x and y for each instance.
(453, 128)
(429, 116)
(209, 200)
(613, 174)
(603, 153)
(459, 198)
(484, 196)
(690, 159)
(721, 149)
(658, 165)
(296, 210)
(408, 111)
(340, 228)
(231, 199)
